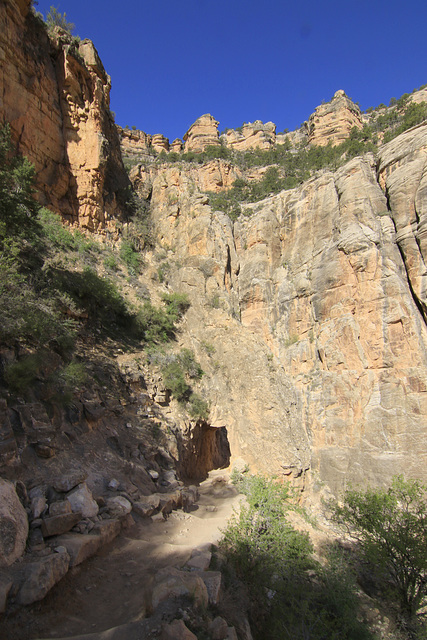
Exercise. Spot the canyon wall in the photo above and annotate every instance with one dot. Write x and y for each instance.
(55, 95)
(315, 310)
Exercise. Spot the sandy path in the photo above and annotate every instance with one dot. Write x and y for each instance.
(112, 588)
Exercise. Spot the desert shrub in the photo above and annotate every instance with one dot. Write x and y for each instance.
(18, 208)
(178, 371)
(56, 19)
(198, 407)
(20, 375)
(391, 526)
(291, 595)
(130, 256)
(176, 304)
(74, 375)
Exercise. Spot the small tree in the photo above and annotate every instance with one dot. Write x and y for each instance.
(391, 525)
(56, 19)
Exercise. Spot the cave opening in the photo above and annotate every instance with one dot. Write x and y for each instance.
(206, 450)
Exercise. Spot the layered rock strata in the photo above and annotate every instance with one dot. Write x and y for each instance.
(254, 135)
(333, 121)
(202, 133)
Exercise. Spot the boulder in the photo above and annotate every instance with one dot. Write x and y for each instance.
(5, 586)
(60, 507)
(118, 506)
(171, 583)
(107, 530)
(82, 501)
(177, 630)
(13, 525)
(37, 578)
(147, 506)
(212, 581)
(55, 525)
(79, 546)
(69, 480)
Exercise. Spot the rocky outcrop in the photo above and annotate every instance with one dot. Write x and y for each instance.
(253, 135)
(56, 99)
(203, 133)
(134, 142)
(13, 525)
(333, 121)
(160, 143)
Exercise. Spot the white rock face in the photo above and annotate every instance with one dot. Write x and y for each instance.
(13, 525)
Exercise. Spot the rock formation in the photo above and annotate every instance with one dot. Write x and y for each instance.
(56, 99)
(333, 121)
(203, 133)
(254, 135)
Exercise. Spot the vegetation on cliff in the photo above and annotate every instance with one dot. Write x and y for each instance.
(61, 289)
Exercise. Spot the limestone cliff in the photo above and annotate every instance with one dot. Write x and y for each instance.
(314, 306)
(55, 95)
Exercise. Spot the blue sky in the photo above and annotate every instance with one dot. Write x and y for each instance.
(170, 62)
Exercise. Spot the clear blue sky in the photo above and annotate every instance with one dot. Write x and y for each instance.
(172, 61)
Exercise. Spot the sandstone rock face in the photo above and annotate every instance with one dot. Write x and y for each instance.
(176, 145)
(56, 99)
(160, 143)
(134, 142)
(13, 525)
(203, 133)
(309, 301)
(333, 121)
(254, 135)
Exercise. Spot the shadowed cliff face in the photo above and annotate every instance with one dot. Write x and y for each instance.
(314, 306)
(56, 99)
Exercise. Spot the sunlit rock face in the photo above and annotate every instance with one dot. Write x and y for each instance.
(254, 135)
(56, 99)
(314, 305)
(203, 133)
(332, 122)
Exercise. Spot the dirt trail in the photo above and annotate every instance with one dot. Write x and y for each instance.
(112, 588)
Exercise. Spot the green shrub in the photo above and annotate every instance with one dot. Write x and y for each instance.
(176, 304)
(74, 375)
(272, 559)
(22, 374)
(18, 208)
(391, 525)
(130, 256)
(177, 371)
(56, 19)
(198, 407)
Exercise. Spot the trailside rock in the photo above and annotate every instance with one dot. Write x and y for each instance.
(172, 583)
(82, 501)
(177, 630)
(79, 546)
(13, 525)
(40, 576)
(55, 525)
(69, 480)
